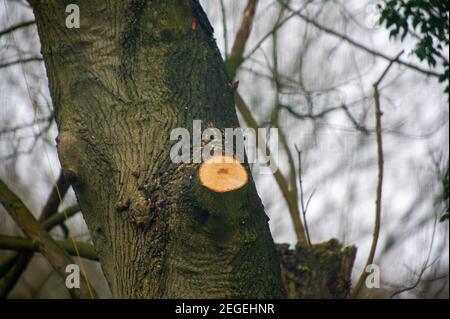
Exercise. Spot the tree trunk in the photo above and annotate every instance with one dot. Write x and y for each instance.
(131, 73)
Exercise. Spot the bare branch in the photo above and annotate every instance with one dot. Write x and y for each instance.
(426, 265)
(54, 200)
(276, 27)
(16, 269)
(380, 156)
(355, 123)
(13, 265)
(21, 61)
(302, 196)
(279, 178)
(309, 116)
(17, 27)
(5, 266)
(56, 256)
(22, 244)
(25, 126)
(61, 217)
(359, 45)
(235, 58)
(238, 48)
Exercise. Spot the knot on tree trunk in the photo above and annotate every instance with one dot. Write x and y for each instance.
(320, 271)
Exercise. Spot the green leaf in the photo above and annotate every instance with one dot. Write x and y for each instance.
(444, 217)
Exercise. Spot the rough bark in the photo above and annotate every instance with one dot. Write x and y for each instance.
(322, 271)
(134, 71)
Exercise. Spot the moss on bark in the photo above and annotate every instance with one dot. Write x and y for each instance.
(322, 271)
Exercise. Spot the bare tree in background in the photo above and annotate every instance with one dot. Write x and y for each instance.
(305, 67)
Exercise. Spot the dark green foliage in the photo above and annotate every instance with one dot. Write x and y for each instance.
(428, 21)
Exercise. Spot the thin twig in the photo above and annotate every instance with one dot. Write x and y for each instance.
(359, 45)
(14, 129)
(309, 116)
(291, 178)
(355, 123)
(276, 27)
(380, 157)
(21, 61)
(302, 196)
(17, 27)
(244, 110)
(426, 265)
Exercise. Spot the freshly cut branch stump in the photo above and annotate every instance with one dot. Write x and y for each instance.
(223, 174)
(221, 192)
